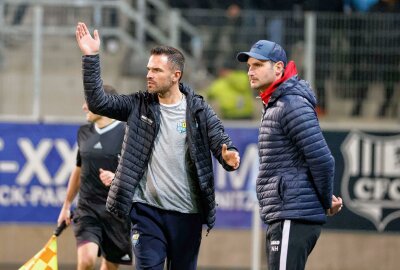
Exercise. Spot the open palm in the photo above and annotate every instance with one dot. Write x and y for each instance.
(87, 44)
(231, 158)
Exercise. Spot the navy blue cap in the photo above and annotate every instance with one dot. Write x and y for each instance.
(264, 50)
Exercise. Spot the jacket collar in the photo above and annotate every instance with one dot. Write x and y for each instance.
(290, 71)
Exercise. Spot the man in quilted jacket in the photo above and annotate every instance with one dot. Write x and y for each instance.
(295, 180)
(164, 179)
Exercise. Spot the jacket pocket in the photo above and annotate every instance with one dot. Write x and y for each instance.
(280, 187)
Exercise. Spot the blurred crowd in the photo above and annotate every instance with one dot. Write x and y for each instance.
(226, 71)
(225, 41)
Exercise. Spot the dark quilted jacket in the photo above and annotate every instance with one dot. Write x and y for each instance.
(141, 111)
(296, 174)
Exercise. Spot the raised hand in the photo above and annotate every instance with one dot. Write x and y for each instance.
(87, 44)
(231, 158)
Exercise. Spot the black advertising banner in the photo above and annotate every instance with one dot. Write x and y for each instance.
(367, 178)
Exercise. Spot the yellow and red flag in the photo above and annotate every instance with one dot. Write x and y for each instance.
(45, 259)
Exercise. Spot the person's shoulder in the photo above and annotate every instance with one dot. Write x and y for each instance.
(195, 99)
(299, 90)
(85, 127)
(294, 104)
(203, 104)
(85, 131)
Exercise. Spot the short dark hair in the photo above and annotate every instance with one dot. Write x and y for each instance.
(174, 56)
(109, 89)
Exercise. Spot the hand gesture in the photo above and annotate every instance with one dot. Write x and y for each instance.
(337, 205)
(106, 177)
(230, 157)
(87, 44)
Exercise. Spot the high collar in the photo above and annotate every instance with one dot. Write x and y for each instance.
(290, 71)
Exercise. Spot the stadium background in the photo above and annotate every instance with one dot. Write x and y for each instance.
(351, 59)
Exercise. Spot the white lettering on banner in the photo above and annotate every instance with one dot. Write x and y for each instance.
(371, 185)
(377, 189)
(43, 196)
(7, 166)
(68, 155)
(248, 166)
(12, 196)
(394, 190)
(234, 200)
(34, 161)
(34, 196)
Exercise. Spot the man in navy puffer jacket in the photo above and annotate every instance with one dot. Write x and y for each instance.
(295, 180)
(164, 179)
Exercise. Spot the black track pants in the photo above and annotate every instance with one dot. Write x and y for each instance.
(289, 243)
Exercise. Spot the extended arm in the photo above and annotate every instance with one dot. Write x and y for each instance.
(113, 106)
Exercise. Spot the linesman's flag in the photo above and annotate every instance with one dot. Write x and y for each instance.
(46, 258)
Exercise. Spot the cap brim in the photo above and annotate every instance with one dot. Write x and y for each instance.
(244, 56)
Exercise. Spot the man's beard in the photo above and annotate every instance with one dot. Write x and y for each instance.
(160, 90)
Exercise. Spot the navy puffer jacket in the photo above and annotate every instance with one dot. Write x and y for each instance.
(141, 111)
(296, 174)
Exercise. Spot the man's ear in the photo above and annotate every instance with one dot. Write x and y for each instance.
(177, 76)
(279, 67)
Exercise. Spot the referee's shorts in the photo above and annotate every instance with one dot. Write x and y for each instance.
(93, 223)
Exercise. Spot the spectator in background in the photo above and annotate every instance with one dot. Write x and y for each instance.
(230, 95)
(295, 180)
(96, 231)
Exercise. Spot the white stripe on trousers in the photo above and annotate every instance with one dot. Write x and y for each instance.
(284, 245)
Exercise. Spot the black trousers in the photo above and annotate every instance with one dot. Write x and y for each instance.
(289, 243)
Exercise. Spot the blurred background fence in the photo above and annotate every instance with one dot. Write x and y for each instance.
(350, 58)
